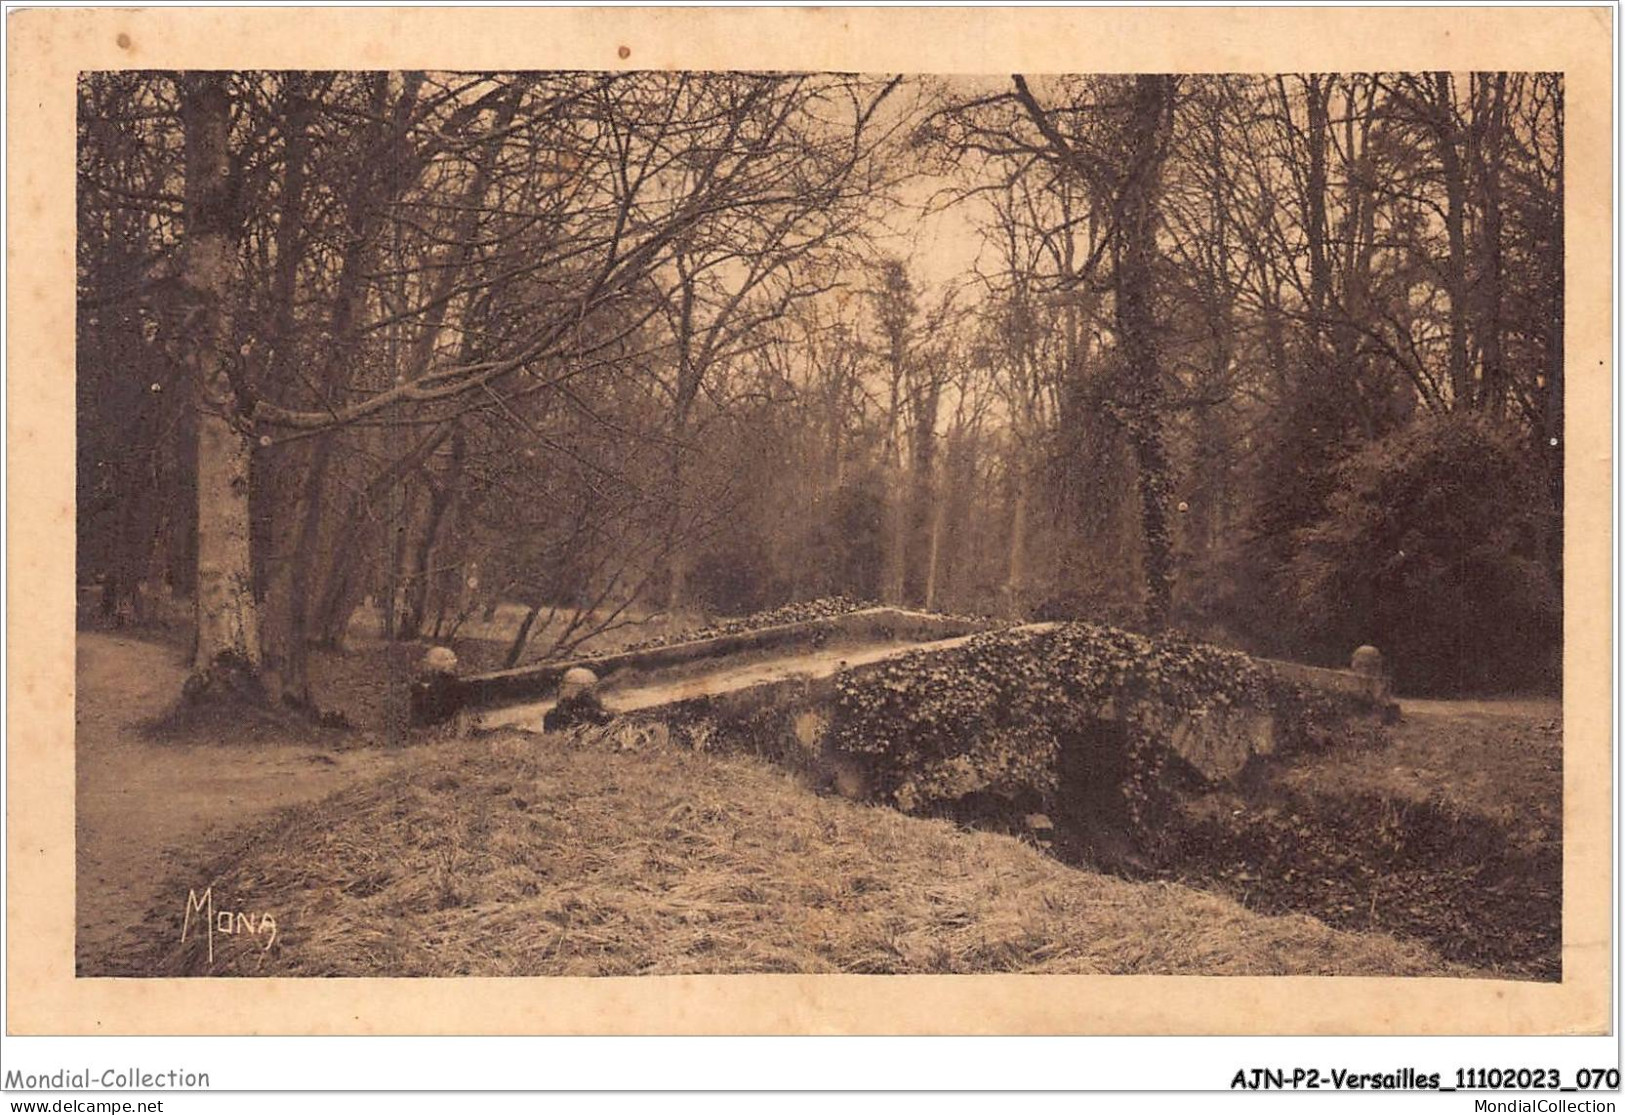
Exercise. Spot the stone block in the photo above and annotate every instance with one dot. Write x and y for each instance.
(576, 681)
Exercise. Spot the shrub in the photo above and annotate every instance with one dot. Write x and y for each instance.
(1431, 549)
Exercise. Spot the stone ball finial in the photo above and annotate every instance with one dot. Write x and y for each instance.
(577, 680)
(440, 660)
(1367, 660)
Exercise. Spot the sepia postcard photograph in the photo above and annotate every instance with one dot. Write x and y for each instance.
(639, 502)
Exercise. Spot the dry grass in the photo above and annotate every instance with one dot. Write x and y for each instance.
(1502, 760)
(512, 855)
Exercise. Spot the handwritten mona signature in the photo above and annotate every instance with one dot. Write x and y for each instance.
(228, 922)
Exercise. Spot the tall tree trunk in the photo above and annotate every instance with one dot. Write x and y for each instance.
(679, 558)
(1553, 439)
(226, 659)
(420, 580)
(1455, 223)
(521, 637)
(1015, 582)
(895, 309)
(923, 495)
(1212, 458)
(1137, 326)
(896, 490)
(897, 551)
(284, 606)
(933, 560)
(1317, 96)
(1488, 151)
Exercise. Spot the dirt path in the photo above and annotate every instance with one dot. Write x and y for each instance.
(1499, 708)
(140, 802)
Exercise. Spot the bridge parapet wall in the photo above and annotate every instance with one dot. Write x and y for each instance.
(1371, 686)
(541, 681)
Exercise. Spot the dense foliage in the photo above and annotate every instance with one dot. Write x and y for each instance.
(1005, 713)
(1436, 549)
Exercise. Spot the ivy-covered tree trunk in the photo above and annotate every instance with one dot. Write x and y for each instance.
(1137, 326)
(679, 555)
(227, 656)
(1015, 580)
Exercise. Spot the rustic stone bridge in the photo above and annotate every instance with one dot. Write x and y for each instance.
(781, 680)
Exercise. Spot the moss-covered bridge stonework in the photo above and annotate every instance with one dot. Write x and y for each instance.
(918, 709)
